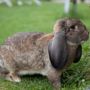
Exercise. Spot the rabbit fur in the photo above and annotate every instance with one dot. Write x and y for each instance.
(40, 53)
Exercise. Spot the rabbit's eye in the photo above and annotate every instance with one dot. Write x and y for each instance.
(72, 27)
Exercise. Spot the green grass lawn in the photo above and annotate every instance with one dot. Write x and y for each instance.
(40, 19)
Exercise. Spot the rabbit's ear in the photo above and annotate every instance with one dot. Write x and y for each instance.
(58, 50)
(78, 54)
(59, 25)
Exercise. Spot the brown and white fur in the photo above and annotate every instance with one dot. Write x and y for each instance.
(27, 53)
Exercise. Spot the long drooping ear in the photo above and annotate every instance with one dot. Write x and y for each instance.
(59, 24)
(78, 54)
(58, 50)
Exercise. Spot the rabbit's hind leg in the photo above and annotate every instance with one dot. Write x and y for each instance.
(13, 77)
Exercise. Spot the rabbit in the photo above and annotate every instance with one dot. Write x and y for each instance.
(40, 53)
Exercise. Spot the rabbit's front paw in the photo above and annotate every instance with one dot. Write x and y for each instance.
(13, 77)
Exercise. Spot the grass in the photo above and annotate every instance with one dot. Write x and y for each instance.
(42, 19)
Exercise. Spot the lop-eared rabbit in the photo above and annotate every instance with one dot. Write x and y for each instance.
(45, 54)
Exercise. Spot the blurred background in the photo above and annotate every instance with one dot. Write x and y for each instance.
(40, 16)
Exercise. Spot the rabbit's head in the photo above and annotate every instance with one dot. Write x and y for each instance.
(66, 31)
(75, 31)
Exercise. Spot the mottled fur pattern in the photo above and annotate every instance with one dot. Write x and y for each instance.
(27, 53)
